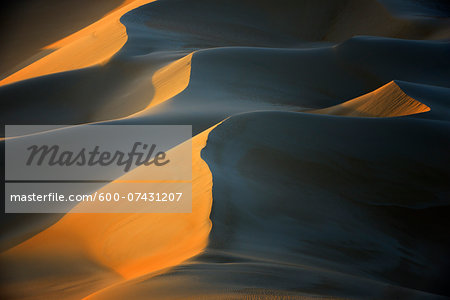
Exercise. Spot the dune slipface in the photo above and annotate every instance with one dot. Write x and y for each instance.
(319, 152)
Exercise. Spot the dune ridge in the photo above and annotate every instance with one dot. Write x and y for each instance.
(29, 26)
(123, 267)
(98, 42)
(283, 246)
(169, 81)
(92, 45)
(387, 101)
(157, 241)
(305, 204)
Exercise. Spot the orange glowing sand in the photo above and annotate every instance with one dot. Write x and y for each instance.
(126, 245)
(386, 101)
(169, 81)
(94, 44)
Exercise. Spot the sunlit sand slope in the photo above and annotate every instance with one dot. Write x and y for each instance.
(259, 23)
(387, 101)
(92, 45)
(175, 75)
(169, 81)
(87, 252)
(31, 25)
(302, 204)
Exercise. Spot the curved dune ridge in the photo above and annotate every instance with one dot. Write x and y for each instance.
(169, 81)
(94, 44)
(387, 101)
(130, 245)
(303, 204)
(28, 29)
(263, 248)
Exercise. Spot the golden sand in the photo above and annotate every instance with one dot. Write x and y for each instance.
(386, 101)
(92, 45)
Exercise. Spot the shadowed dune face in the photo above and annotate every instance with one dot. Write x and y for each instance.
(285, 204)
(114, 91)
(169, 81)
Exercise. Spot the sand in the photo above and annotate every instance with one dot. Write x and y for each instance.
(320, 152)
(42, 23)
(386, 101)
(92, 45)
(174, 238)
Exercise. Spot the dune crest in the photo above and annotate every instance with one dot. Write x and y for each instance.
(387, 101)
(305, 203)
(158, 241)
(258, 244)
(169, 81)
(94, 44)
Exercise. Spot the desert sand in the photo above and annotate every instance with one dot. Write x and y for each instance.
(387, 101)
(320, 151)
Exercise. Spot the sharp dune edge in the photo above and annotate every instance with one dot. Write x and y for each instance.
(176, 237)
(169, 81)
(118, 244)
(43, 22)
(387, 101)
(92, 45)
(315, 219)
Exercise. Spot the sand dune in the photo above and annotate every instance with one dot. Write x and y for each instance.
(320, 157)
(29, 26)
(319, 236)
(82, 96)
(92, 45)
(387, 101)
(169, 81)
(176, 75)
(123, 246)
